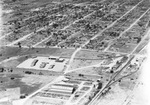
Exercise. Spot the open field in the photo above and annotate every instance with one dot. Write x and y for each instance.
(27, 83)
(7, 52)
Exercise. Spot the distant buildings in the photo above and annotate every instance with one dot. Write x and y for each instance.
(63, 88)
(51, 63)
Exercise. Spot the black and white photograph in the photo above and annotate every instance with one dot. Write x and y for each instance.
(74, 52)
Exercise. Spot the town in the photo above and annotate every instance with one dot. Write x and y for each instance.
(72, 52)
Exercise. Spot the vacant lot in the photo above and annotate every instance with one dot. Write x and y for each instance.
(27, 83)
(7, 52)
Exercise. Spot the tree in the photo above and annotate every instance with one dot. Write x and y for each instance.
(119, 80)
(55, 25)
(81, 75)
(13, 0)
(73, 90)
(19, 44)
(99, 85)
(148, 24)
(1, 69)
(111, 71)
(40, 73)
(11, 70)
(90, 98)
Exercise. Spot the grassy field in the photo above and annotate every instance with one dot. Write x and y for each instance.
(7, 52)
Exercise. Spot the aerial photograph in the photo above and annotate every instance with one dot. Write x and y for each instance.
(74, 52)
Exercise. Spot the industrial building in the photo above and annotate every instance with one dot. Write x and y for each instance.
(51, 63)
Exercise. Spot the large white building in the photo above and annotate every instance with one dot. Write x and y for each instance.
(44, 63)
